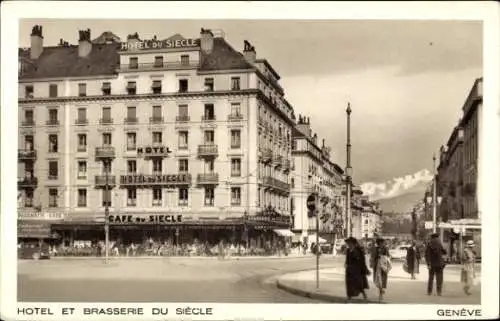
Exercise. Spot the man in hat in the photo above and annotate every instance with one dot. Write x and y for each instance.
(435, 263)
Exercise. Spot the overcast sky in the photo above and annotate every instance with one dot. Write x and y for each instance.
(406, 80)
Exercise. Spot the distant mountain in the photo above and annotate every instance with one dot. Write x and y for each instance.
(399, 194)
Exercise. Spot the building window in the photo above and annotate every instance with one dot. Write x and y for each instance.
(183, 85)
(209, 137)
(53, 146)
(156, 87)
(157, 138)
(209, 196)
(82, 90)
(209, 84)
(131, 87)
(235, 109)
(131, 197)
(29, 119)
(183, 165)
(82, 116)
(183, 140)
(106, 139)
(29, 143)
(235, 138)
(82, 197)
(183, 113)
(157, 197)
(236, 167)
(106, 115)
(28, 91)
(52, 197)
(183, 196)
(52, 90)
(82, 142)
(106, 168)
(106, 88)
(82, 170)
(157, 166)
(106, 198)
(209, 112)
(235, 196)
(131, 141)
(158, 62)
(53, 119)
(292, 182)
(185, 60)
(235, 83)
(131, 166)
(209, 166)
(28, 198)
(133, 62)
(157, 117)
(366, 221)
(131, 115)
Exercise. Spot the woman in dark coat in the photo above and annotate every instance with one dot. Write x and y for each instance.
(356, 271)
(413, 260)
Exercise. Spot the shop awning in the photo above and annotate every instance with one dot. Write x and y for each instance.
(312, 239)
(283, 232)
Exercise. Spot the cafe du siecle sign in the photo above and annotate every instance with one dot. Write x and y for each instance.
(160, 44)
(145, 219)
(153, 151)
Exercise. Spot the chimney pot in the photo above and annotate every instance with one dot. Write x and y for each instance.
(84, 43)
(36, 48)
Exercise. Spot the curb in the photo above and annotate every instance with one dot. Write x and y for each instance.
(321, 296)
(71, 258)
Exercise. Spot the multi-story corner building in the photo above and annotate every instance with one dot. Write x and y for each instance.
(180, 138)
(314, 172)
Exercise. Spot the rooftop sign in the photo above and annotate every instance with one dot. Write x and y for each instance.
(160, 44)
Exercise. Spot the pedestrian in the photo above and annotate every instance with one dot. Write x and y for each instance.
(412, 260)
(380, 262)
(434, 253)
(356, 271)
(221, 250)
(468, 273)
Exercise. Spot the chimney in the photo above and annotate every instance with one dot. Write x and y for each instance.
(84, 43)
(315, 139)
(323, 143)
(206, 41)
(249, 52)
(36, 42)
(303, 126)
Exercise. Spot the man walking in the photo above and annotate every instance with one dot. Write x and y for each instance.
(435, 263)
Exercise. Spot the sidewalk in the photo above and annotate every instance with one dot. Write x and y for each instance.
(400, 289)
(227, 258)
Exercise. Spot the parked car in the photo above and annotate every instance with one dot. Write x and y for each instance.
(399, 252)
(34, 252)
(326, 248)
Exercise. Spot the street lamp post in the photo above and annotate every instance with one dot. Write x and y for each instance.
(434, 205)
(348, 172)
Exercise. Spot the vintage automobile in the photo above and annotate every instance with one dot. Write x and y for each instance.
(399, 252)
(33, 251)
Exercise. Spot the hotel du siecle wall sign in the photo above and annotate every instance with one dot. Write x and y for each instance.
(160, 44)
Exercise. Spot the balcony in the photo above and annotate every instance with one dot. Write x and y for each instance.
(100, 181)
(276, 184)
(28, 123)
(52, 122)
(278, 161)
(106, 121)
(208, 118)
(166, 65)
(27, 182)
(104, 152)
(130, 120)
(235, 117)
(156, 120)
(267, 155)
(182, 118)
(209, 150)
(208, 179)
(26, 154)
(81, 122)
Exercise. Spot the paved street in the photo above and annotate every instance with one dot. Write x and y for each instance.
(162, 279)
(401, 289)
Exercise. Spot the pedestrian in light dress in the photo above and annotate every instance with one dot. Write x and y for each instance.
(468, 274)
(381, 264)
(356, 271)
